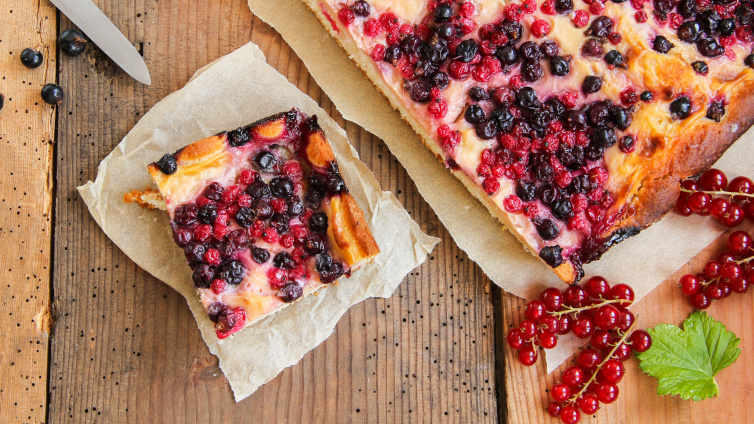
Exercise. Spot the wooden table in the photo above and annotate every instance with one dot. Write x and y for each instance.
(87, 336)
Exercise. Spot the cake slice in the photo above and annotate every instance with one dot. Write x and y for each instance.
(573, 128)
(262, 215)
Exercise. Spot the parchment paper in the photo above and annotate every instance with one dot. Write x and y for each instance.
(643, 261)
(234, 91)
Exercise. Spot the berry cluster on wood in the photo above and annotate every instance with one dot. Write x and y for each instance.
(596, 311)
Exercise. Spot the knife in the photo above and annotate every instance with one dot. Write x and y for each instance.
(87, 16)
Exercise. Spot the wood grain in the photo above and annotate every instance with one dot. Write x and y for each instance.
(27, 127)
(638, 401)
(425, 354)
(125, 347)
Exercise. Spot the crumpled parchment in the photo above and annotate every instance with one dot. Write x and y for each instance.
(236, 90)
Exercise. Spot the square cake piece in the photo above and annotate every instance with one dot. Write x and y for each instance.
(262, 215)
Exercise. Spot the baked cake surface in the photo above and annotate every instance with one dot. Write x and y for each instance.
(263, 216)
(573, 123)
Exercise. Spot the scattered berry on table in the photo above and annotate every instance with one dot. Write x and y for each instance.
(52, 94)
(31, 58)
(72, 42)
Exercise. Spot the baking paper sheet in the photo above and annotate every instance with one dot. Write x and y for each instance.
(235, 91)
(643, 261)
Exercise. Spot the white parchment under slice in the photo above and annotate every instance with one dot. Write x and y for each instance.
(643, 261)
(236, 90)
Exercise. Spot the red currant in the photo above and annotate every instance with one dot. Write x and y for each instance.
(682, 206)
(713, 291)
(576, 296)
(700, 301)
(613, 370)
(622, 292)
(570, 415)
(606, 317)
(712, 269)
(748, 208)
(560, 392)
(713, 180)
(528, 329)
(601, 339)
(597, 287)
(726, 257)
(607, 392)
(731, 271)
(740, 243)
(719, 207)
(641, 341)
(739, 285)
(698, 201)
(535, 310)
(689, 285)
(553, 298)
(589, 359)
(626, 320)
(574, 376)
(734, 217)
(550, 323)
(583, 327)
(589, 404)
(741, 185)
(622, 352)
(515, 338)
(566, 324)
(527, 355)
(548, 340)
(554, 409)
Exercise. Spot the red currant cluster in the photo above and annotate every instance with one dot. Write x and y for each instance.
(712, 195)
(596, 311)
(731, 272)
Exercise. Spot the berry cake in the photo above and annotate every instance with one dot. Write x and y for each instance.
(573, 121)
(263, 216)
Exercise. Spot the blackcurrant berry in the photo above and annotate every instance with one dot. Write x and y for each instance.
(72, 42)
(31, 58)
(52, 94)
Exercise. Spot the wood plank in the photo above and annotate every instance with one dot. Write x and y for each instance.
(127, 348)
(26, 148)
(638, 401)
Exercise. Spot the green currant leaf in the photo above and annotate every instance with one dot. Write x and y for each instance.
(686, 361)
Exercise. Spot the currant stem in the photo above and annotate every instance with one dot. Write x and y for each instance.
(623, 338)
(569, 309)
(728, 193)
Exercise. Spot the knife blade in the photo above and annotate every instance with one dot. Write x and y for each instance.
(96, 25)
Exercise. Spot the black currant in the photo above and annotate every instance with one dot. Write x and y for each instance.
(559, 66)
(715, 111)
(466, 50)
(646, 96)
(167, 164)
(681, 107)
(31, 58)
(591, 84)
(614, 58)
(443, 13)
(662, 44)
(700, 67)
(552, 255)
(474, 114)
(689, 31)
(52, 94)
(72, 42)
